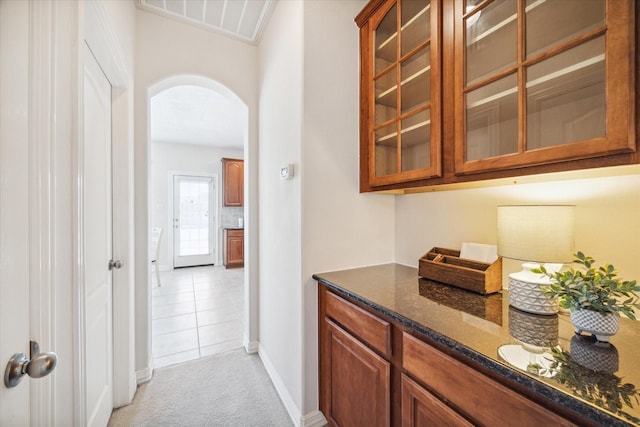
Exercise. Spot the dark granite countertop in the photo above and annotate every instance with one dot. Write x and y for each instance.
(594, 380)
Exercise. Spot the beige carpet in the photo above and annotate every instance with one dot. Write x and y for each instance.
(228, 389)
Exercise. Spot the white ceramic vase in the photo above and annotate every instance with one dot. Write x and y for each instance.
(601, 325)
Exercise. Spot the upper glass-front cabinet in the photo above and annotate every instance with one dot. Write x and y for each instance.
(541, 81)
(453, 91)
(400, 76)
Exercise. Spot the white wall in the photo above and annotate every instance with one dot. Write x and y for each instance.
(280, 61)
(341, 228)
(167, 158)
(318, 221)
(607, 220)
(168, 49)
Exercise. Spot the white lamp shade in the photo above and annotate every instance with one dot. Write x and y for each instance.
(540, 233)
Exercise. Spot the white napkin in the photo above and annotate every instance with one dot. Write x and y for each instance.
(479, 252)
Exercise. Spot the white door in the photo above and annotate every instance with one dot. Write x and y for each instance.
(193, 220)
(14, 206)
(97, 240)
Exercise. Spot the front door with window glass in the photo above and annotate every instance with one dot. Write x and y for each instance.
(193, 220)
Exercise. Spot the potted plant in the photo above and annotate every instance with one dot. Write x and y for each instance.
(595, 296)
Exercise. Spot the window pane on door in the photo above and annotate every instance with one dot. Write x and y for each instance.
(194, 218)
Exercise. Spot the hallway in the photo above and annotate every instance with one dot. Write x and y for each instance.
(197, 312)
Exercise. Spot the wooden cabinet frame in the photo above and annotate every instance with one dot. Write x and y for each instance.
(619, 88)
(368, 20)
(620, 147)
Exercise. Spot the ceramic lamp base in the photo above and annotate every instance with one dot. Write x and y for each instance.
(525, 291)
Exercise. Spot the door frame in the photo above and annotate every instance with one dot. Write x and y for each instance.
(101, 37)
(217, 260)
(54, 38)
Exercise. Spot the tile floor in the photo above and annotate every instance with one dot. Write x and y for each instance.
(195, 313)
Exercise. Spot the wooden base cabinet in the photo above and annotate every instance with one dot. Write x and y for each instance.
(357, 392)
(355, 371)
(233, 248)
(367, 381)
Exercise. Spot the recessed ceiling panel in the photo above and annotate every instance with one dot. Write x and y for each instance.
(194, 9)
(213, 13)
(252, 12)
(232, 15)
(175, 6)
(241, 19)
(156, 3)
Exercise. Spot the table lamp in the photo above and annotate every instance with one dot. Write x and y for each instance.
(535, 234)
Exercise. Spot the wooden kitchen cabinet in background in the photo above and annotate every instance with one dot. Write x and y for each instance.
(233, 247)
(233, 182)
(459, 91)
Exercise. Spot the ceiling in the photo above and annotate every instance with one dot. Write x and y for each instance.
(199, 116)
(241, 19)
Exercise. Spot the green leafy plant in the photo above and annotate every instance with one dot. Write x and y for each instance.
(590, 288)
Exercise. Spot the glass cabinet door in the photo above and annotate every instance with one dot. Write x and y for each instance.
(403, 144)
(536, 82)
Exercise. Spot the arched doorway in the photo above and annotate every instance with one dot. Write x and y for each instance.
(201, 160)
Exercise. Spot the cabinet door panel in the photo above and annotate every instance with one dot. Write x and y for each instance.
(234, 248)
(566, 97)
(568, 18)
(569, 72)
(402, 78)
(491, 40)
(233, 177)
(358, 382)
(421, 409)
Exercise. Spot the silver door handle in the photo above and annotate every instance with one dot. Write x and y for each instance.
(115, 264)
(40, 365)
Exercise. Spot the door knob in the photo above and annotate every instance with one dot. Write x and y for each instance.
(115, 264)
(40, 365)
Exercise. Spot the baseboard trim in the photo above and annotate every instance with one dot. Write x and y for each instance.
(314, 419)
(281, 389)
(252, 347)
(144, 375)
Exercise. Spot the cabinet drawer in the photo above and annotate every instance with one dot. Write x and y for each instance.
(235, 233)
(369, 328)
(472, 393)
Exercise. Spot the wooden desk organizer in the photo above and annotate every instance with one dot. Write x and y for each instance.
(445, 266)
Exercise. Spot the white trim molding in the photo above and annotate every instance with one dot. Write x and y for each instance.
(314, 419)
(281, 389)
(42, 225)
(144, 375)
(100, 36)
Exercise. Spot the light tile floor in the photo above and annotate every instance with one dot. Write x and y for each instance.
(197, 312)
